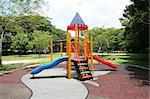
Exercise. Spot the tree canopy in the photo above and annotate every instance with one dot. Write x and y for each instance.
(136, 21)
(106, 39)
(21, 42)
(41, 40)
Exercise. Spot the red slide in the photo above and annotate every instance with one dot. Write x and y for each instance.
(104, 62)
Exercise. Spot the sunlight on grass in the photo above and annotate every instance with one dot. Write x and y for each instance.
(28, 57)
(118, 58)
(12, 67)
(135, 59)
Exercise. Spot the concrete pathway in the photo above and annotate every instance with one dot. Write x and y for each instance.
(53, 84)
(21, 61)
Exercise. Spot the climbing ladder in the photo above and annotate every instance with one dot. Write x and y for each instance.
(83, 69)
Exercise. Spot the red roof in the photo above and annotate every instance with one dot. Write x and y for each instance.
(79, 26)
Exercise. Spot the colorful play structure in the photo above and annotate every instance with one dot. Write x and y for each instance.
(79, 53)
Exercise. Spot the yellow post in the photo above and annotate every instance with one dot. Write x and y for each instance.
(61, 48)
(51, 49)
(91, 52)
(85, 45)
(67, 43)
(76, 40)
(68, 51)
(69, 56)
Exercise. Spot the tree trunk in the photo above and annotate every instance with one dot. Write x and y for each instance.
(1, 40)
(39, 54)
(99, 49)
(20, 53)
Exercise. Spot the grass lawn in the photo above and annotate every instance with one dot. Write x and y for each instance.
(135, 59)
(12, 67)
(119, 58)
(45, 58)
(29, 57)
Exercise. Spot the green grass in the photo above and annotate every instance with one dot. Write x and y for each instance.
(12, 67)
(45, 58)
(28, 57)
(135, 59)
(120, 58)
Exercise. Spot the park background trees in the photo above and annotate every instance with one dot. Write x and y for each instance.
(107, 39)
(19, 18)
(41, 41)
(9, 10)
(133, 37)
(20, 21)
(136, 22)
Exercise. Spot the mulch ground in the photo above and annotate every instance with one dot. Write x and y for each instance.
(126, 82)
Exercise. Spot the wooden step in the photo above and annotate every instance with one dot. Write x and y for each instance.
(82, 64)
(83, 68)
(85, 72)
(88, 76)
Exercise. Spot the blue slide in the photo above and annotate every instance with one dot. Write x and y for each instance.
(49, 65)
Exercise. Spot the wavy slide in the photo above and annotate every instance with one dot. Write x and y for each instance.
(49, 65)
(104, 62)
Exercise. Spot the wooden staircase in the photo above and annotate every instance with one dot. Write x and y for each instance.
(83, 70)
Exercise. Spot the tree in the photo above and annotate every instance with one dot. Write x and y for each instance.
(107, 39)
(136, 21)
(34, 22)
(20, 42)
(41, 40)
(9, 9)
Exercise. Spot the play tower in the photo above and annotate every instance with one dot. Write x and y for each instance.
(79, 52)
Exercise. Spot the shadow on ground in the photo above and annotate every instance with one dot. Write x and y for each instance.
(139, 73)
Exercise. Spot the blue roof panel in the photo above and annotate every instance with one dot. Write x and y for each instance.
(77, 20)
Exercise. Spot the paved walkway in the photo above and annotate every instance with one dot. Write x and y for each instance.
(21, 61)
(53, 84)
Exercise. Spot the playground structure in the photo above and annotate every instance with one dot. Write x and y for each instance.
(78, 52)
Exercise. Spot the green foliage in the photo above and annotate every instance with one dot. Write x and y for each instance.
(23, 7)
(41, 40)
(21, 42)
(105, 39)
(136, 21)
(9, 9)
(36, 22)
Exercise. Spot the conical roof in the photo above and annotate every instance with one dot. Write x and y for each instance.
(77, 20)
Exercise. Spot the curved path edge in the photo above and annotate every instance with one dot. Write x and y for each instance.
(58, 87)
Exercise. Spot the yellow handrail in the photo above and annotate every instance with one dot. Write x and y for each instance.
(61, 48)
(91, 52)
(85, 45)
(51, 49)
